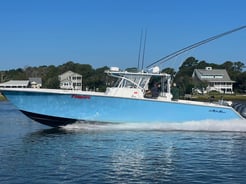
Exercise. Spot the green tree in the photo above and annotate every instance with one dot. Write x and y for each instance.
(183, 78)
(238, 66)
(50, 74)
(240, 85)
(99, 78)
(170, 71)
(52, 83)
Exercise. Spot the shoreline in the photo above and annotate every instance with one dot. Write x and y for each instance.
(2, 98)
(233, 98)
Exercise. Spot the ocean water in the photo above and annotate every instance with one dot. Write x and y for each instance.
(193, 152)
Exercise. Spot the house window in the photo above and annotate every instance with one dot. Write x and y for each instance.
(207, 77)
(76, 78)
(218, 77)
(76, 84)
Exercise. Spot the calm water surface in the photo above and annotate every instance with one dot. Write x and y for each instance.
(81, 153)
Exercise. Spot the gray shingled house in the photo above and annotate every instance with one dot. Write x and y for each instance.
(217, 79)
(35, 82)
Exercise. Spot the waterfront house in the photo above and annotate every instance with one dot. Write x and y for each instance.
(70, 80)
(216, 80)
(35, 82)
(15, 84)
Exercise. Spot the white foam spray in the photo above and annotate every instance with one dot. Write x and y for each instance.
(206, 125)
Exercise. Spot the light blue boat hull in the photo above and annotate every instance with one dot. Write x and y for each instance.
(114, 109)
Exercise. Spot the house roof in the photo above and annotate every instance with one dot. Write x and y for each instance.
(213, 75)
(15, 83)
(38, 80)
(71, 73)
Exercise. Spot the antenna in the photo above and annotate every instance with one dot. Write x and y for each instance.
(140, 47)
(145, 35)
(185, 49)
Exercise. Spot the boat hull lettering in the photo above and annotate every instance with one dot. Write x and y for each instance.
(81, 96)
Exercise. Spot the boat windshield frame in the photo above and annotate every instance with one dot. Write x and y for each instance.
(138, 80)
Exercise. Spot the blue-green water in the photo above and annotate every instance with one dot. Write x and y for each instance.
(195, 152)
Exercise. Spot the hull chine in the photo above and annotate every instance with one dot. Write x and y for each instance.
(52, 121)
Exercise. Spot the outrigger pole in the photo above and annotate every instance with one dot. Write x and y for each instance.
(176, 53)
(142, 49)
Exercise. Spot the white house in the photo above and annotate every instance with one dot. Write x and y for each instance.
(15, 84)
(70, 80)
(217, 79)
(31, 83)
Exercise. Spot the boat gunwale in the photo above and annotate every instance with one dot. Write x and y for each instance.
(102, 94)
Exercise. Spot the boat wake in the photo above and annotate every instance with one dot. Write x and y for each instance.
(206, 125)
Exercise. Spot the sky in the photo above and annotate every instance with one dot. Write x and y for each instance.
(107, 32)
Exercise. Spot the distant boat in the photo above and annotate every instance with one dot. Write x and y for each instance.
(130, 101)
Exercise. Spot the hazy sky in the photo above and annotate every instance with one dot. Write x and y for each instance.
(107, 32)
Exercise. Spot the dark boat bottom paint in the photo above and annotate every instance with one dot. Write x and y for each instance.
(49, 120)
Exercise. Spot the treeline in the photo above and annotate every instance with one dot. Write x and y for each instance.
(96, 78)
(92, 78)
